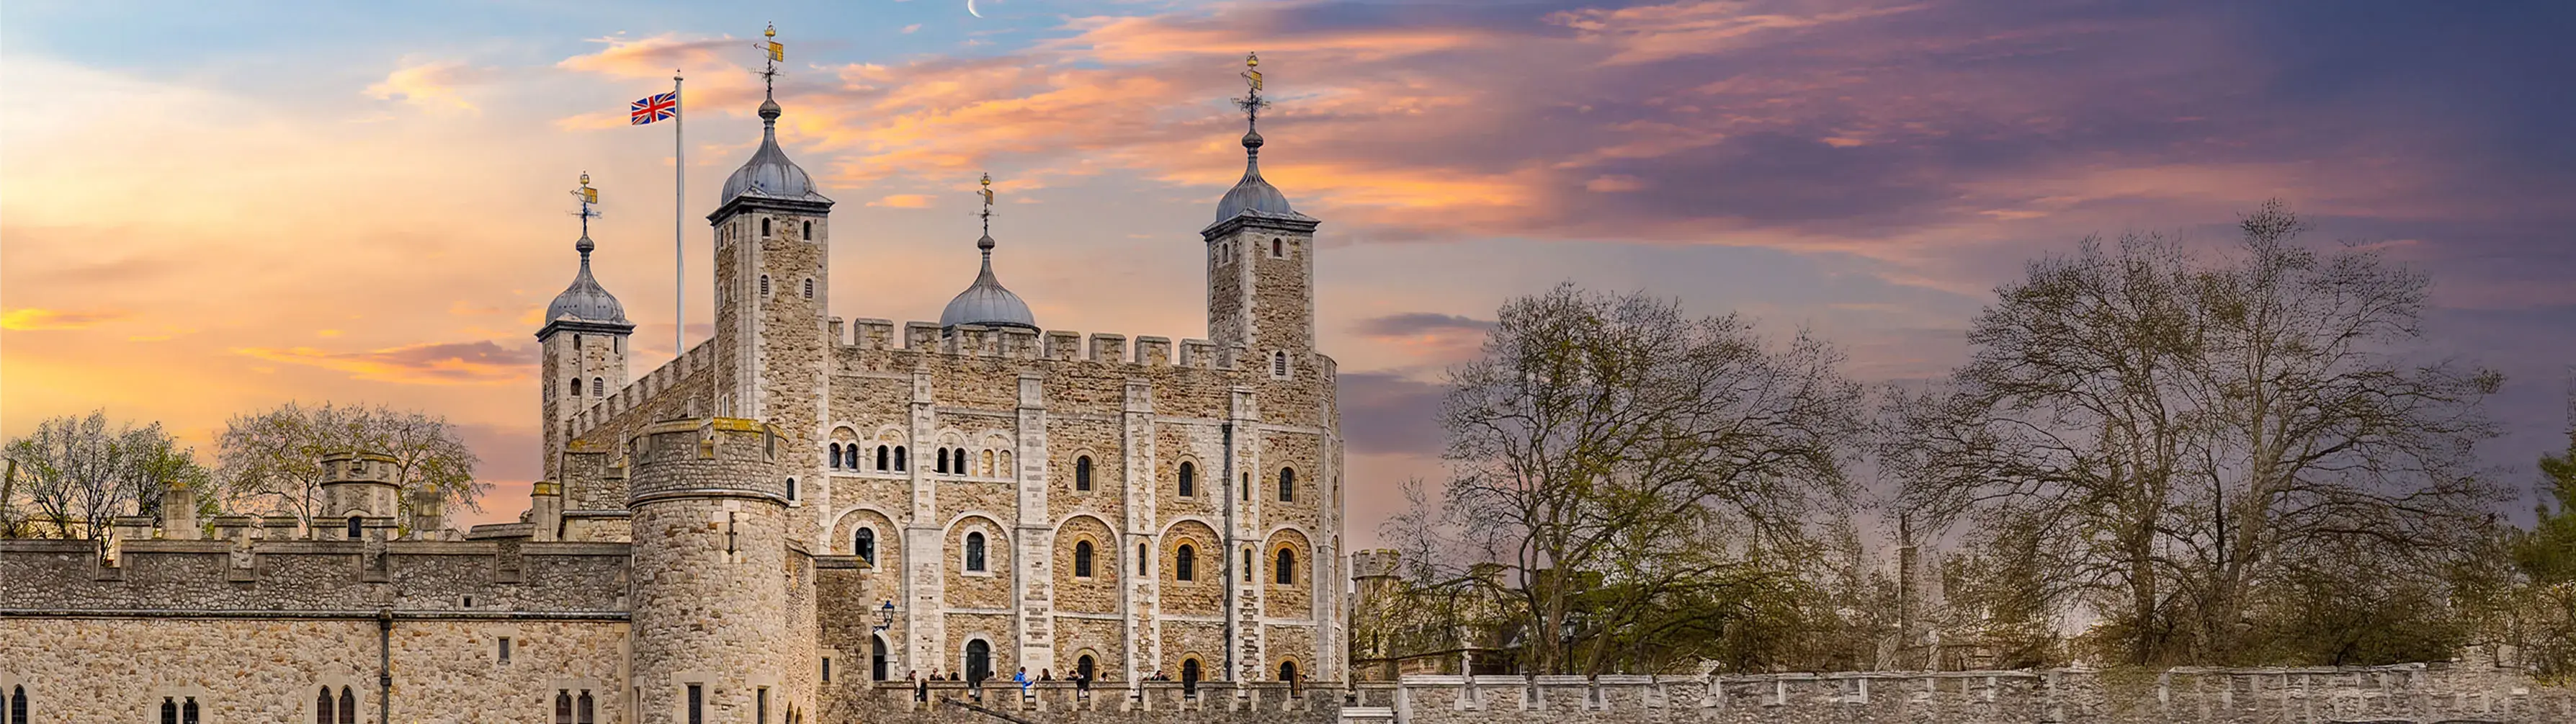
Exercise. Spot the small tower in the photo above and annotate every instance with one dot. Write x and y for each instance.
(985, 302)
(582, 345)
(358, 497)
(715, 580)
(772, 292)
(1261, 263)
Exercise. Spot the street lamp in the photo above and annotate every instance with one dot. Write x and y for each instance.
(885, 617)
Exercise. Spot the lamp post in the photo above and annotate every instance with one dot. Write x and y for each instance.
(885, 617)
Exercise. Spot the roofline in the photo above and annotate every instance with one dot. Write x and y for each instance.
(583, 325)
(747, 202)
(1299, 223)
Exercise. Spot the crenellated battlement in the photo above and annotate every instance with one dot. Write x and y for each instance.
(249, 569)
(700, 359)
(1017, 343)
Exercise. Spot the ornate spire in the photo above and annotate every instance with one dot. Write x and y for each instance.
(588, 197)
(769, 174)
(1252, 194)
(585, 300)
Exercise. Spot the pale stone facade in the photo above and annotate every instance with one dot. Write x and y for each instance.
(791, 511)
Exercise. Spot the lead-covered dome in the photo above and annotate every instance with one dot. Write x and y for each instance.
(769, 174)
(1253, 194)
(586, 300)
(985, 302)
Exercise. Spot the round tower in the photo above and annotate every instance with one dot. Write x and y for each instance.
(714, 579)
(358, 496)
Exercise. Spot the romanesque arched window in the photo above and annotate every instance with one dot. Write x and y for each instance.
(576, 387)
(898, 458)
(979, 660)
(1287, 485)
(881, 457)
(1190, 677)
(598, 386)
(1278, 364)
(1082, 473)
(764, 228)
(1185, 561)
(864, 544)
(943, 461)
(791, 489)
(1082, 559)
(1287, 671)
(1189, 479)
(985, 464)
(1278, 248)
(764, 285)
(809, 231)
(975, 552)
(1286, 568)
(836, 455)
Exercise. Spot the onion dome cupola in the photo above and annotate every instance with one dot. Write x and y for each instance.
(986, 302)
(585, 304)
(769, 179)
(1253, 195)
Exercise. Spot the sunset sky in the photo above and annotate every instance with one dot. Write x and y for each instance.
(214, 208)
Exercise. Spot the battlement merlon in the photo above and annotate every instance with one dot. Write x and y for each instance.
(700, 360)
(970, 340)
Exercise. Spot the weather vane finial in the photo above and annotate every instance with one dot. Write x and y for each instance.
(769, 68)
(1251, 102)
(588, 197)
(987, 193)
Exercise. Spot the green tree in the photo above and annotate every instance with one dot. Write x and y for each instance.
(271, 461)
(75, 472)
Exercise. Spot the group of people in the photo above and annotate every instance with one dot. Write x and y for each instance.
(975, 685)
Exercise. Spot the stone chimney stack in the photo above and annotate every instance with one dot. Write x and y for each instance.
(545, 510)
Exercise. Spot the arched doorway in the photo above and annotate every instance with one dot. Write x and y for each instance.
(979, 660)
(1288, 671)
(877, 658)
(1190, 676)
(1085, 667)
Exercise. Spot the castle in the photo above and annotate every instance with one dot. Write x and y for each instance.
(790, 514)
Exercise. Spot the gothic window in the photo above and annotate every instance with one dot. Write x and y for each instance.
(1278, 249)
(18, 705)
(975, 552)
(864, 544)
(1082, 473)
(1184, 563)
(598, 386)
(582, 710)
(898, 458)
(563, 707)
(764, 286)
(809, 289)
(1189, 479)
(1279, 364)
(1287, 485)
(1287, 565)
(322, 708)
(791, 489)
(169, 710)
(1082, 559)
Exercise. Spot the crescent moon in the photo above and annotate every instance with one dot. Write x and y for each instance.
(970, 9)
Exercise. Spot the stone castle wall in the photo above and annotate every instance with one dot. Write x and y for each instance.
(487, 577)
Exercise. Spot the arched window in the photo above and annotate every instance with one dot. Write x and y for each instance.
(986, 464)
(864, 544)
(354, 532)
(898, 458)
(1082, 559)
(836, 456)
(1278, 248)
(809, 231)
(348, 706)
(169, 710)
(1287, 485)
(1086, 667)
(764, 228)
(943, 461)
(1287, 671)
(598, 386)
(975, 551)
(1082, 473)
(1189, 479)
(979, 660)
(881, 457)
(582, 709)
(1184, 562)
(1190, 677)
(322, 708)
(764, 283)
(1278, 364)
(1142, 555)
(1287, 567)
(1247, 565)
(563, 707)
(188, 711)
(576, 387)
(791, 488)
(877, 667)
(809, 289)
(18, 705)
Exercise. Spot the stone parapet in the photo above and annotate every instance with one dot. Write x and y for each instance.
(719, 456)
(245, 574)
(1014, 343)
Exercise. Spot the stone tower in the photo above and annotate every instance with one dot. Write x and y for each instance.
(772, 290)
(358, 497)
(717, 581)
(582, 351)
(1261, 268)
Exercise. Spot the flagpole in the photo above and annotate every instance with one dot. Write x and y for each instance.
(679, 212)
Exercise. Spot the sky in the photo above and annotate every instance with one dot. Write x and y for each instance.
(208, 209)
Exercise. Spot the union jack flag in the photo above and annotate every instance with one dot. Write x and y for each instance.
(659, 107)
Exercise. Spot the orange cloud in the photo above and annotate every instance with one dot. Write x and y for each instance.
(431, 85)
(1693, 27)
(30, 319)
(453, 363)
(904, 201)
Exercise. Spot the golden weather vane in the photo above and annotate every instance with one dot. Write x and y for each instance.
(1252, 102)
(588, 196)
(987, 193)
(775, 53)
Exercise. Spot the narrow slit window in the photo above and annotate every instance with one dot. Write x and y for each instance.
(1287, 485)
(697, 704)
(1082, 473)
(505, 649)
(809, 231)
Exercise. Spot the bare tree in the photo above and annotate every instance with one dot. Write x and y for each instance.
(2163, 437)
(1612, 457)
(271, 460)
(77, 472)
